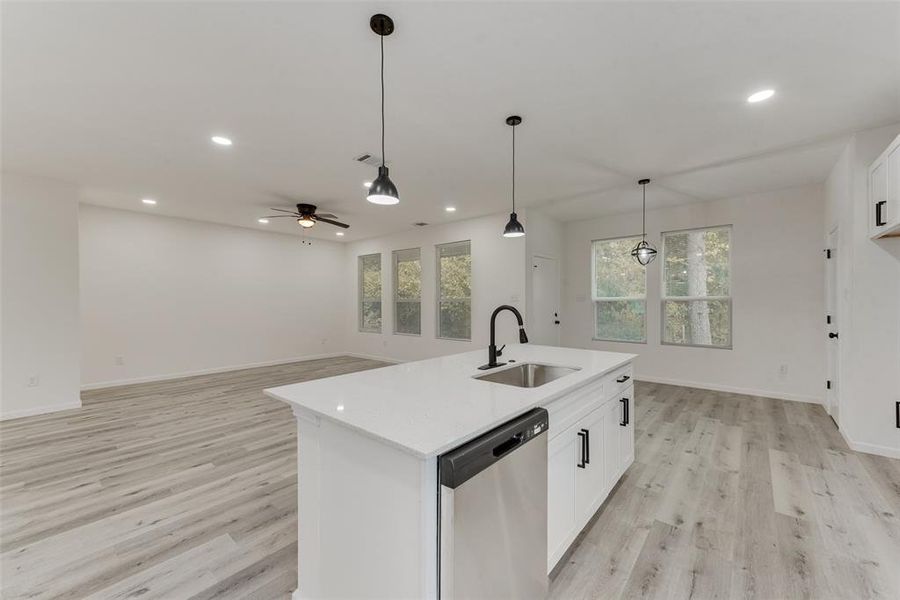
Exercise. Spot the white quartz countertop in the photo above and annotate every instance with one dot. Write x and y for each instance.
(431, 406)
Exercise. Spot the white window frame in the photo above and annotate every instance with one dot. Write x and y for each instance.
(664, 298)
(437, 294)
(395, 259)
(595, 300)
(361, 299)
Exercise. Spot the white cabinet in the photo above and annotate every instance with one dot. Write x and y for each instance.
(591, 445)
(590, 476)
(884, 192)
(561, 452)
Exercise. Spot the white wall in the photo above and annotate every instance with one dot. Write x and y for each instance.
(868, 302)
(172, 296)
(777, 291)
(498, 277)
(40, 370)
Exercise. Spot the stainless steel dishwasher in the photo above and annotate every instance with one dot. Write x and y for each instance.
(493, 513)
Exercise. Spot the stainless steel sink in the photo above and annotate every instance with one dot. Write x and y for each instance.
(527, 375)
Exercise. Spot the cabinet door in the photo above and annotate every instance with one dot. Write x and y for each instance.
(562, 453)
(878, 204)
(893, 184)
(626, 431)
(590, 479)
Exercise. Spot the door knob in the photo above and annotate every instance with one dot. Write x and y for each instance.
(832, 334)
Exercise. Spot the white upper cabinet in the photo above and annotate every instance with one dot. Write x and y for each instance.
(884, 192)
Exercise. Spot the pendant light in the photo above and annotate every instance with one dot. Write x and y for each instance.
(382, 190)
(513, 227)
(644, 253)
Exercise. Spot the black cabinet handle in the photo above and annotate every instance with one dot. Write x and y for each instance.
(623, 379)
(587, 446)
(583, 436)
(832, 334)
(624, 421)
(879, 217)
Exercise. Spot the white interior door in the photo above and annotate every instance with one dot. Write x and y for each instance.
(543, 327)
(832, 339)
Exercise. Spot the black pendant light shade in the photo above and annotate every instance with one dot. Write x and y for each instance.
(644, 252)
(382, 190)
(513, 227)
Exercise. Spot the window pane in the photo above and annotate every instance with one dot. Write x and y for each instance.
(454, 290)
(371, 316)
(616, 273)
(456, 319)
(696, 263)
(409, 279)
(409, 317)
(698, 322)
(370, 293)
(621, 320)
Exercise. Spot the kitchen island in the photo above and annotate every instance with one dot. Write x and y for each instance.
(368, 448)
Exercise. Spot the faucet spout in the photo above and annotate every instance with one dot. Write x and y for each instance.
(492, 349)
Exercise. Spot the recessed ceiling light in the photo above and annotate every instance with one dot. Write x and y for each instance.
(220, 140)
(339, 233)
(450, 209)
(148, 201)
(367, 184)
(263, 221)
(760, 96)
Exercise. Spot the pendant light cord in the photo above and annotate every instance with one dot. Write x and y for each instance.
(383, 158)
(644, 214)
(514, 169)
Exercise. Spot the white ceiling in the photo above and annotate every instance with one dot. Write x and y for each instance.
(121, 98)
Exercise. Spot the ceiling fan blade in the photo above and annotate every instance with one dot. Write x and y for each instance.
(276, 216)
(326, 215)
(287, 211)
(329, 221)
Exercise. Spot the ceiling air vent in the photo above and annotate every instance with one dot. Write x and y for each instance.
(369, 159)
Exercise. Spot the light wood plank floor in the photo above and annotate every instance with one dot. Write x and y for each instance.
(187, 489)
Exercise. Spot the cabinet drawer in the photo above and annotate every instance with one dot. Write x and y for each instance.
(566, 411)
(619, 380)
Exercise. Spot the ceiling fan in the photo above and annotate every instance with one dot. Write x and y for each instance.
(307, 216)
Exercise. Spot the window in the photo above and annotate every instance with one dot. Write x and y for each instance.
(408, 291)
(696, 295)
(454, 280)
(619, 291)
(370, 293)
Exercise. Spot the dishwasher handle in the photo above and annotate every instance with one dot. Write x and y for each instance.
(508, 446)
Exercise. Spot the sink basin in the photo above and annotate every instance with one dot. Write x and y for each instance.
(527, 375)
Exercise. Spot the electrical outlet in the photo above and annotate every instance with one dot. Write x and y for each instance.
(34, 381)
(783, 371)
(119, 361)
(514, 298)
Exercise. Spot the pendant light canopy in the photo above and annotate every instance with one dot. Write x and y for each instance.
(382, 190)
(644, 253)
(513, 227)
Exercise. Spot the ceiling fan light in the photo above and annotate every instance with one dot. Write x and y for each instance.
(306, 221)
(383, 191)
(513, 227)
(644, 253)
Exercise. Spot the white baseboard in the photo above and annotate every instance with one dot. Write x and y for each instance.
(887, 451)
(38, 410)
(730, 389)
(269, 363)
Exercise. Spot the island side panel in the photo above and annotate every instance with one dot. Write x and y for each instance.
(367, 516)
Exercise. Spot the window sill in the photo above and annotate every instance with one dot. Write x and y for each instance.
(595, 339)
